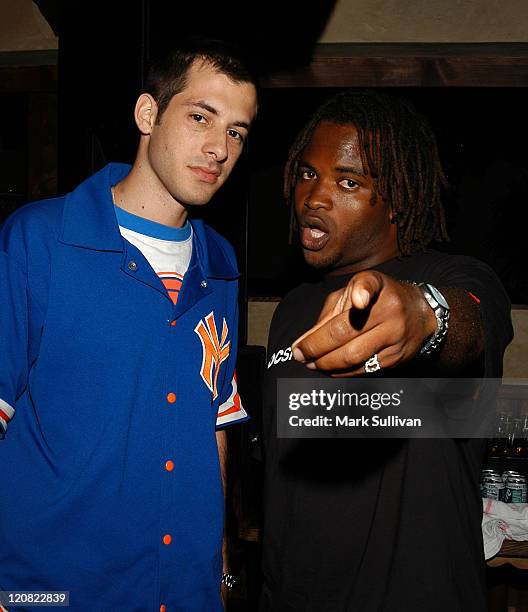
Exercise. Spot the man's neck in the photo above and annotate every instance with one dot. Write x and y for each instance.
(365, 264)
(143, 195)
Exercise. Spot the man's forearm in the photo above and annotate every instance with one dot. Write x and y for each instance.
(464, 342)
(221, 442)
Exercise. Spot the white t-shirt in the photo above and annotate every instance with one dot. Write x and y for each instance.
(167, 249)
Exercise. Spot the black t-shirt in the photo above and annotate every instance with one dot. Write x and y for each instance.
(381, 524)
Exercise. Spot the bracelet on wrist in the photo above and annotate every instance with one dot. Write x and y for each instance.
(229, 580)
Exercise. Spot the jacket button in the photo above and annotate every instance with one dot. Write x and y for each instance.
(132, 266)
(203, 284)
(167, 539)
(171, 398)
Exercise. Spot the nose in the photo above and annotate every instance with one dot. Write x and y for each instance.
(216, 145)
(317, 196)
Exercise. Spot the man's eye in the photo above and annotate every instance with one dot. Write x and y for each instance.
(348, 184)
(236, 135)
(306, 175)
(198, 118)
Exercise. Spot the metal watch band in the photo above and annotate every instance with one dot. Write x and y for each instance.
(442, 312)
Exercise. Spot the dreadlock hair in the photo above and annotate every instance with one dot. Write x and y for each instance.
(399, 150)
(168, 76)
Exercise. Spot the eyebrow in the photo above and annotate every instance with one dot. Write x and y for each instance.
(351, 170)
(345, 169)
(213, 111)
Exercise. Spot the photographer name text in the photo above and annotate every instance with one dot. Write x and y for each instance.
(347, 421)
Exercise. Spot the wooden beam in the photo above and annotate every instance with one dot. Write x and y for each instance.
(409, 65)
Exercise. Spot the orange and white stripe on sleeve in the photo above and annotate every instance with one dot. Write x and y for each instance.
(231, 410)
(6, 414)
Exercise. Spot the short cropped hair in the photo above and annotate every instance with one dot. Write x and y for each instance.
(168, 76)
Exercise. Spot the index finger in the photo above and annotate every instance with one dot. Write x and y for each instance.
(337, 323)
(364, 288)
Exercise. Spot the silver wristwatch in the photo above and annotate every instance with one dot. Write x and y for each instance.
(441, 310)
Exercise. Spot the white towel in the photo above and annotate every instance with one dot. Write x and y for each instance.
(501, 522)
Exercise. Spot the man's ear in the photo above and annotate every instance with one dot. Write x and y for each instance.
(145, 113)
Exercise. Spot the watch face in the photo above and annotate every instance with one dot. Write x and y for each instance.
(437, 296)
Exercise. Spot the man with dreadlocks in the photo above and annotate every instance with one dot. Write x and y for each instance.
(376, 524)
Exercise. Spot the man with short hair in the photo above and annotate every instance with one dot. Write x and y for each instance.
(118, 330)
(376, 524)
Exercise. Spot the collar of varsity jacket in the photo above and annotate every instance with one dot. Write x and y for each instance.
(89, 221)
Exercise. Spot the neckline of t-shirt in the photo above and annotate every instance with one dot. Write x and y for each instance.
(337, 281)
(137, 224)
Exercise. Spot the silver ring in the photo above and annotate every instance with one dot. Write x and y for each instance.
(372, 364)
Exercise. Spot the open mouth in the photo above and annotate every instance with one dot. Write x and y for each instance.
(313, 234)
